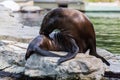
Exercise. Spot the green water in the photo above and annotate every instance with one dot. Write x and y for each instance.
(107, 33)
(100, 0)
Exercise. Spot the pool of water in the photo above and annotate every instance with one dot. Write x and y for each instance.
(30, 19)
(107, 33)
(106, 14)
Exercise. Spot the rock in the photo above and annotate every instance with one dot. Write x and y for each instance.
(30, 9)
(12, 57)
(113, 70)
(2, 43)
(11, 62)
(81, 67)
(114, 60)
(15, 69)
(115, 65)
(2, 8)
(6, 78)
(10, 4)
(104, 53)
(5, 65)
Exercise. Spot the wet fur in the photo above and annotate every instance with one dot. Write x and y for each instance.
(76, 33)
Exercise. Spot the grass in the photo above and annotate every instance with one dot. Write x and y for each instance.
(107, 33)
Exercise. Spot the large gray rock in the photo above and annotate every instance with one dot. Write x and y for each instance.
(83, 66)
(12, 56)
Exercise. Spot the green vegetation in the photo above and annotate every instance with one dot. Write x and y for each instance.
(100, 0)
(107, 33)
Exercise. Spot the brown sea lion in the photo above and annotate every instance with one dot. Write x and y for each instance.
(76, 29)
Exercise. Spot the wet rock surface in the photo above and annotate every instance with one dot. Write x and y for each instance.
(82, 67)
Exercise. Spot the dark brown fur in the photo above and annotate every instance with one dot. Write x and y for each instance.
(75, 27)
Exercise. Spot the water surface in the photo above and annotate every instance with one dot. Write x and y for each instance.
(107, 33)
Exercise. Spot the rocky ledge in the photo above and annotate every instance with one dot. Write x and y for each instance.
(32, 9)
(83, 66)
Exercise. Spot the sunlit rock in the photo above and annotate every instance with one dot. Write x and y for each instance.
(10, 4)
(31, 8)
(83, 66)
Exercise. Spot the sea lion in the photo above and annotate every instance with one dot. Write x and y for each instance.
(75, 27)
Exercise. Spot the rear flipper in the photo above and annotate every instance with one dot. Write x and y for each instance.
(94, 53)
(103, 59)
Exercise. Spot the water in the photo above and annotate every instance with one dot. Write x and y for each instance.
(107, 33)
(107, 27)
(104, 14)
(30, 19)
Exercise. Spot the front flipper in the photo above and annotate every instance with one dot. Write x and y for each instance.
(28, 54)
(71, 54)
(43, 52)
(30, 50)
(34, 48)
